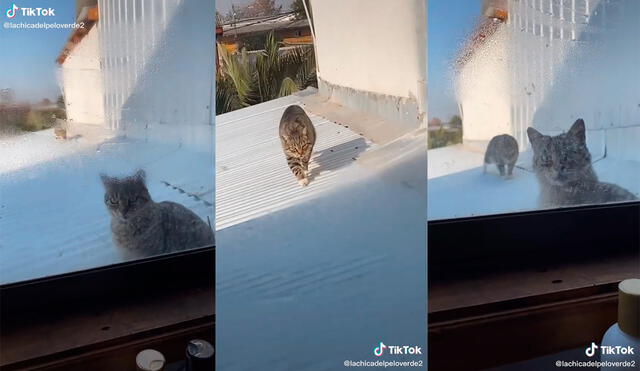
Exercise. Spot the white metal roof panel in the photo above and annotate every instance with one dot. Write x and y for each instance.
(252, 176)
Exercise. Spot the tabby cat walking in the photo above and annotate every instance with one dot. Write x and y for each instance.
(298, 137)
(502, 150)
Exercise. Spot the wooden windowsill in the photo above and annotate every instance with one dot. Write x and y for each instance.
(509, 316)
(108, 336)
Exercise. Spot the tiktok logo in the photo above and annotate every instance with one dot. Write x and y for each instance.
(12, 11)
(397, 349)
(379, 350)
(591, 350)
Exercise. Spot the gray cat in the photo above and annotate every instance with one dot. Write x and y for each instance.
(142, 227)
(298, 137)
(563, 166)
(502, 150)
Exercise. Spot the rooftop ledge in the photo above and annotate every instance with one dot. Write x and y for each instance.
(252, 176)
(459, 188)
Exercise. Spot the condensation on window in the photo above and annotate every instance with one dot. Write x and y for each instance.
(125, 168)
(567, 69)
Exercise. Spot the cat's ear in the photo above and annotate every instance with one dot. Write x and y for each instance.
(140, 175)
(578, 131)
(106, 180)
(534, 135)
(304, 131)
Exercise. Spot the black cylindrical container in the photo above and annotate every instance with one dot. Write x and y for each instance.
(200, 356)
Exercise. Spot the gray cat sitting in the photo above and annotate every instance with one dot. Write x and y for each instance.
(142, 227)
(563, 166)
(502, 150)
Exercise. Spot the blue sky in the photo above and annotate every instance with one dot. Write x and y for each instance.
(28, 56)
(450, 21)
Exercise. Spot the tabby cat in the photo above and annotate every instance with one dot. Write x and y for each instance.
(502, 150)
(562, 164)
(298, 136)
(142, 227)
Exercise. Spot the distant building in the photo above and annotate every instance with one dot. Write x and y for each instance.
(250, 33)
(7, 96)
(434, 124)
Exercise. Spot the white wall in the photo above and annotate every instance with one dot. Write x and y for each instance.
(82, 82)
(553, 62)
(482, 89)
(159, 68)
(372, 45)
(599, 79)
(371, 56)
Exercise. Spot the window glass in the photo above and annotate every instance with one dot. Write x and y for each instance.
(532, 104)
(107, 140)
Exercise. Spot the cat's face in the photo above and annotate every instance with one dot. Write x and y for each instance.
(297, 142)
(125, 196)
(562, 159)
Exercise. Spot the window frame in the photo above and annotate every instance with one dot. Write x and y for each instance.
(473, 252)
(180, 269)
(89, 291)
(483, 243)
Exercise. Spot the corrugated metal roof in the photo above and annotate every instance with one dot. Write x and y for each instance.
(252, 176)
(286, 21)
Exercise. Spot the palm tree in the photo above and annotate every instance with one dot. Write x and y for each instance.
(298, 8)
(275, 73)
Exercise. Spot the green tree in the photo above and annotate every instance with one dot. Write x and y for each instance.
(298, 8)
(274, 73)
(258, 8)
(60, 102)
(34, 122)
(219, 19)
(455, 122)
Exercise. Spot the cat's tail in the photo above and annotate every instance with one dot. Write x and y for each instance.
(297, 168)
(616, 193)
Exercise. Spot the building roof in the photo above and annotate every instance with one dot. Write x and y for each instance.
(88, 16)
(264, 24)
